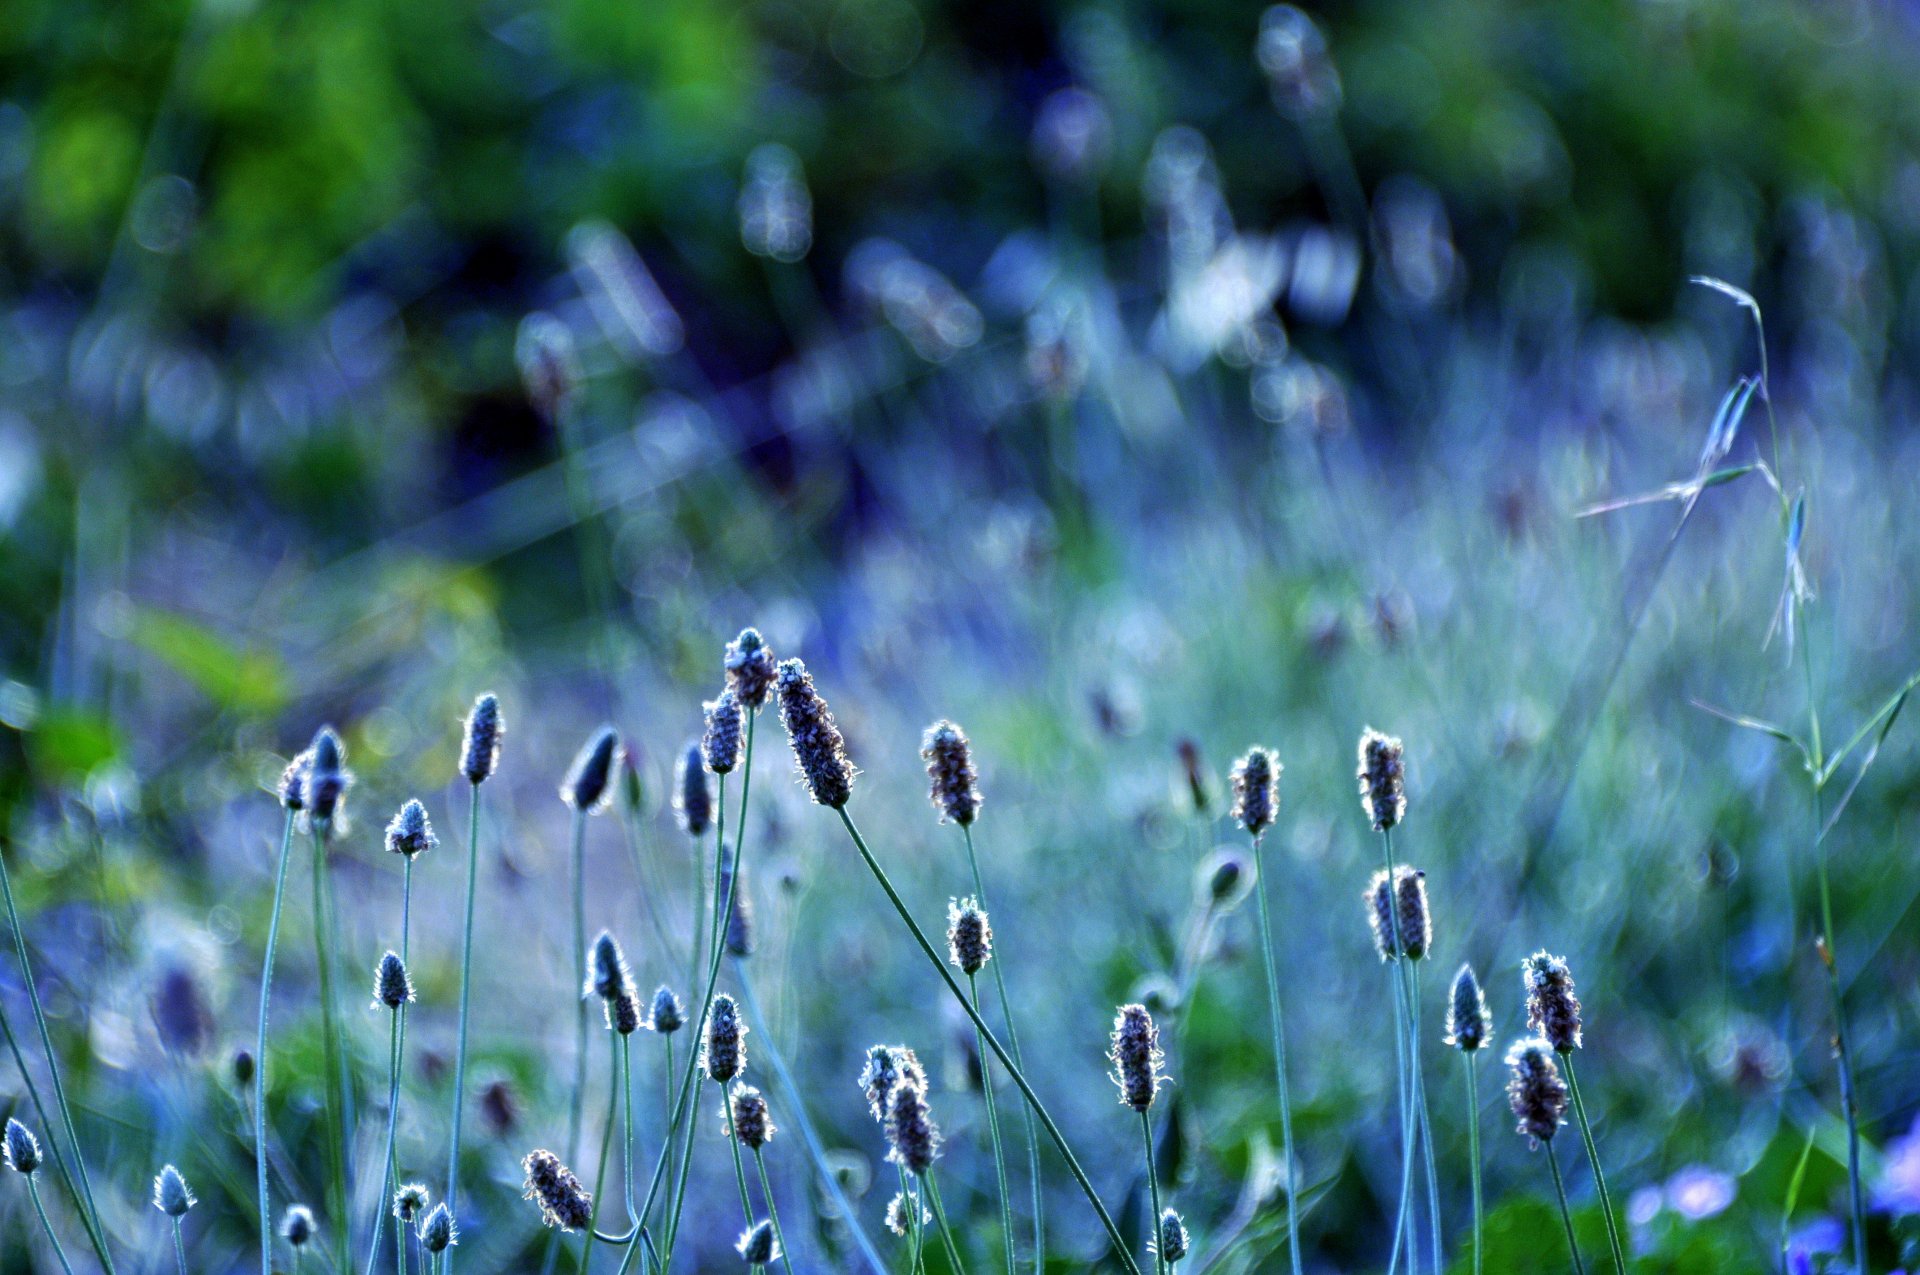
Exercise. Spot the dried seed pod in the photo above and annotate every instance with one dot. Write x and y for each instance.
(1137, 1060)
(1383, 775)
(1535, 1090)
(1552, 1008)
(819, 750)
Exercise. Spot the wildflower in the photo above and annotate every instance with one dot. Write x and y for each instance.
(391, 985)
(886, 1066)
(327, 778)
(171, 1194)
(22, 1149)
(1171, 1243)
(756, 1244)
(1898, 1191)
(437, 1232)
(480, 750)
(723, 1053)
(1137, 1060)
(693, 799)
(1552, 1008)
(1535, 1090)
(955, 790)
(588, 787)
(720, 746)
(607, 973)
(410, 1201)
(563, 1201)
(910, 1128)
(296, 1225)
(747, 1109)
(819, 750)
(1383, 776)
(1256, 790)
(293, 781)
(750, 669)
(969, 935)
(1469, 1025)
(410, 832)
(666, 1017)
(900, 1213)
(1225, 878)
(1401, 914)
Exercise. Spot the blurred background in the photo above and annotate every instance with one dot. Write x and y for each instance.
(1103, 376)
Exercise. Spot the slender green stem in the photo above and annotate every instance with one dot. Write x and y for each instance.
(383, 1199)
(773, 1210)
(1402, 1219)
(90, 1212)
(33, 1189)
(1421, 1110)
(260, 1050)
(1279, 1055)
(1473, 1149)
(400, 1230)
(606, 1136)
(1013, 1043)
(940, 1219)
(917, 1216)
(1153, 1189)
(1843, 1042)
(626, 1128)
(993, 1128)
(1566, 1214)
(1593, 1158)
(336, 1090)
(180, 1249)
(466, 980)
(739, 1163)
(1026, 1090)
(576, 1105)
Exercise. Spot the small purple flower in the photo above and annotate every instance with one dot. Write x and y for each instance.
(1697, 1192)
(1898, 1190)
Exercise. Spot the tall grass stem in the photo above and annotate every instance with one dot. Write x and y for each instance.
(1279, 1057)
(260, 1050)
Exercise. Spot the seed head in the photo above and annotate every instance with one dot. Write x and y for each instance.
(410, 832)
(1469, 1025)
(756, 1245)
(293, 781)
(910, 1129)
(1194, 770)
(437, 1232)
(391, 985)
(723, 1053)
(410, 1201)
(480, 751)
(1171, 1243)
(1383, 779)
(1407, 920)
(563, 1201)
(886, 1066)
(739, 932)
(1552, 1008)
(1256, 790)
(750, 667)
(607, 973)
(171, 1194)
(1535, 1090)
(242, 1067)
(720, 746)
(900, 1213)
(955, 784)
(751, 1123)
(667, 1016)
(1137, 1060)
(1225, 878)
(693, 797)
(969, 935)
(327, 779)
(819, 750)
(296, 1225)
(589, 786)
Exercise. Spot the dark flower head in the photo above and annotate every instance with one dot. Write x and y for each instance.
(296, 1225)
(757, 1246)
(955, 784)
(1195, 773)
(410, 1201)
(1137, 1060)
(887, 1066)
(739, 930)
(23, 1149)
(391, 985)
(242, 1066)
(1552, 1008)
(819, 750)
(723, 1053)
(1469, 1025)
(900, 1209)
(589, 785)
(480, 750)
(747, 1110)
(1535, 1090)
(969, 935)
(1402, 923)
(607, 973)
(1383, 779)
(170, 1193)
(1171, 1242)
(623, 1011)
(293, 781)
(667, 1016)
(910, 1129)
(693, 796)
(1256, 790)
(750, 669)
(327, 779)
(437, 1232)
(410, 832)
(720, 746)
(1225, 878)
(563, 1201)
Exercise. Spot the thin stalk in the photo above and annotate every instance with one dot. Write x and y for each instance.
(1473, 1149)
(1279, 1055)
(1593, 1158)
(1421, 1110)
(1566, 1214)
(53, 1143)
(579, 869)
(993, 1127)
(336, 1095)
(1006, 1060)
(400, 1230)
(1013, 1043)
(466, 980)
(739, 1165)
(1153, 1186)
(91, 1212)
(666, 1102)
(260, 1050)
(180, 1248)
(606, 1136)
(384, 1198)
(773, 1210)
(1402, 1221)
(940, 1219)
(33, 1189)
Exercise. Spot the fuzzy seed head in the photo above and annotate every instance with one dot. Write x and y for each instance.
(1552, 1008)
(667, 1016)
(887, 1066)
(1256, 790)
(391, 985)
(607, 972)
(293, 781)
(750, 669)
(1137, 1060)
(589, 785)
(171, 1194)
(1469, 1025)
(296, 1225)
(410, 1201)
(693, 795)
(437, 1232)
(910, 1128)
(1402, 923)
(480, 750)
(819, 750)
(623, 1012)
(1225, 878)
(954, 783)
(1383, 779)
(23, 1149)
(1535, 1090)
(720, 746)
(748, 1108)
(410, 832)
(1171, 1243)
(723, 1054)
(969, 935)
(563, 1201)
(327, 778)
(900, 1213)
(739, 931)
(757, 1246)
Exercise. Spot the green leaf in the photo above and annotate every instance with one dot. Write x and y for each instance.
(247, 681)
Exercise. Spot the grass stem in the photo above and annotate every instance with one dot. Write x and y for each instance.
(33, 1189)
(1593, 1158)
(466, 988)
(260, 1049)
(1566, 1214)
(1279, 1055)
